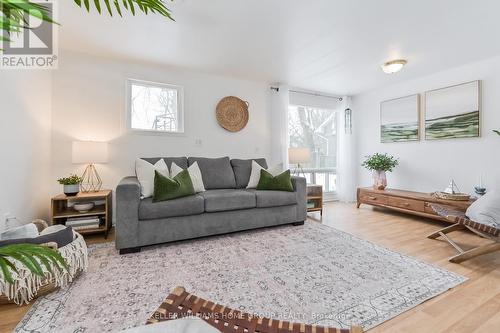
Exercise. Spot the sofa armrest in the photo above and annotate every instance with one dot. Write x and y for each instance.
(128, 198)
(300, 188)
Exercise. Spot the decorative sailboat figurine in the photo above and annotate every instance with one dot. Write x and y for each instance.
(452, 192)
(452, 188)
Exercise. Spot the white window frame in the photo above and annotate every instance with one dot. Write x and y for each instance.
(327, 196)
(180, 107)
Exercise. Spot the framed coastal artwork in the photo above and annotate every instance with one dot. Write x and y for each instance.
(399, 119)
(453, 112)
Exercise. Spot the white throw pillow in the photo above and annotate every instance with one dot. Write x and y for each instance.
(486, 209)
(52, 229)
(194, 172)
(255, 173)
(145, 173)
(25, 231)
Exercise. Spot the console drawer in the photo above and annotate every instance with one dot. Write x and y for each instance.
(372, 198)
(409, 204)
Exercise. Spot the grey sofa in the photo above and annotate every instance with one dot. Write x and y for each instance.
(226, 206)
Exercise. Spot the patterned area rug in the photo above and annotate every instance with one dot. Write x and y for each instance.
(311, 273)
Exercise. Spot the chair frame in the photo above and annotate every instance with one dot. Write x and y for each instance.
(463, 223)
(181, 304)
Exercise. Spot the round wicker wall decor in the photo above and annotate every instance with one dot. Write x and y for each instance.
(232, 113)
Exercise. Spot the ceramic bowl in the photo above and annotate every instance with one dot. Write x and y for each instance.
(83, 207)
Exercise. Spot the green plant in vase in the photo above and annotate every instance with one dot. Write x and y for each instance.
(71, 184)
(380, 164)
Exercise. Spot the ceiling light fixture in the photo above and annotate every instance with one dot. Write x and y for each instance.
(393, 66)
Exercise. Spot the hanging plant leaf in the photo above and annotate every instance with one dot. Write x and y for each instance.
(13, 13)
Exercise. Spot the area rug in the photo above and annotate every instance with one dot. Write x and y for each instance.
(312, 273)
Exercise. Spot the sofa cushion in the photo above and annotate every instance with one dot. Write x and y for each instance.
(180, 161)
(228, 199)
(216, 172)
(243, 168)
(274, 198)
(148, 210)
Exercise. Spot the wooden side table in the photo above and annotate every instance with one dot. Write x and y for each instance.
(60, 210)
(315, 198)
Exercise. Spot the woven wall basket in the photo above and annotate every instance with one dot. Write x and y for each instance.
(232, 113)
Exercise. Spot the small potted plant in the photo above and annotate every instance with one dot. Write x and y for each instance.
(71, 184)
(379, 164)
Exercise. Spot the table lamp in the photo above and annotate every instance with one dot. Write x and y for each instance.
(299, 156)
(90, 152)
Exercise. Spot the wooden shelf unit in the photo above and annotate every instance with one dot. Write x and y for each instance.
(315, 197)
(410, 202)
(61, 210)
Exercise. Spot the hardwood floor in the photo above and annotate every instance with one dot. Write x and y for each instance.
(471, 307)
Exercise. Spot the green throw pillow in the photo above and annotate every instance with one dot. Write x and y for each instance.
(281, 182)
(171, 188)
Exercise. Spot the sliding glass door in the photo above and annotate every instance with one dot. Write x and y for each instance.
(316, 129)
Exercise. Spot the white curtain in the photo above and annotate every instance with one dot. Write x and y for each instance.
(346, 168)
(280, 101)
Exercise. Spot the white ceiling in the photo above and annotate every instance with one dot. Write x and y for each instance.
(333, 46)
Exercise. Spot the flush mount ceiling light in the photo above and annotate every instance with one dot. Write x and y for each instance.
(393, 66)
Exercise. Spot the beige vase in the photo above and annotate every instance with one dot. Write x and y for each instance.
(379, 179)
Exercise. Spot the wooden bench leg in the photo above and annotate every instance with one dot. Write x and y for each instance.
(492, 247)
(446, 230)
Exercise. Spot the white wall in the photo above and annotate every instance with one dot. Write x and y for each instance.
(25, 97)
(429, 165)
(89, 103)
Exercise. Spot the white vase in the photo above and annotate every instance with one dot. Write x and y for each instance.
(379, 179)
(71, 190)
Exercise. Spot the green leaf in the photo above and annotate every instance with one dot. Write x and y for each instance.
(145, 6)
(13, 12)
(97, 5)
(497, 132)
(5, 267)
(108, 7)
(32, 256)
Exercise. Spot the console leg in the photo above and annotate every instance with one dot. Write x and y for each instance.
(130, 250)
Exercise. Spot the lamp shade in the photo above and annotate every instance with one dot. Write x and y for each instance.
(299, 155)
(86, 152)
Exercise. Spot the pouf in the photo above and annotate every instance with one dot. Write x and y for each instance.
(28, 286)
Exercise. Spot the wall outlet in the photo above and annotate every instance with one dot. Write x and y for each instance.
(7, 217)
(4, 221)
(198, 142)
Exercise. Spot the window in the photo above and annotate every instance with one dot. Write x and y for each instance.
(155, 107)
(316, 129)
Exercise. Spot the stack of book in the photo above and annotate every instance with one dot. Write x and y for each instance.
(82, 223)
